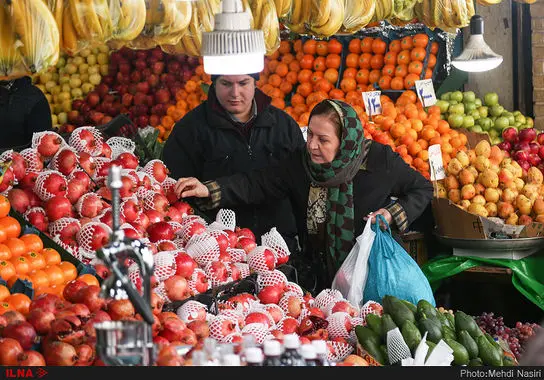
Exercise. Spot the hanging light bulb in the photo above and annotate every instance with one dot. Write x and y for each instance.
(477, 56)
(233, 48)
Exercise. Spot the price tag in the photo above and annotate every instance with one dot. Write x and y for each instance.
(425, 92)
(372, 102)
(435, 162)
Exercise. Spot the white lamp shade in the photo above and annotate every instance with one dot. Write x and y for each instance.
(238, 64)
(477, 56)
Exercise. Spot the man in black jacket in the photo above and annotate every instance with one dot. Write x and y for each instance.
(235, 131)
(23, 110)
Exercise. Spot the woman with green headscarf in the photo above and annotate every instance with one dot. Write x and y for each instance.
(338, 181)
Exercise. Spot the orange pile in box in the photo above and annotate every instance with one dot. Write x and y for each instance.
(24, 257)
(413, 130)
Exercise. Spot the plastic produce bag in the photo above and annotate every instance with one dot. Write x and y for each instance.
(326, 17)
(351, 277)
(391, 271)
(357, 14)
(29, 38)
(283, 7)
(297, 17)
(265, 18)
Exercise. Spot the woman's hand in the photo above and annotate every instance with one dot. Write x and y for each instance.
(191, 187)
(385, 213)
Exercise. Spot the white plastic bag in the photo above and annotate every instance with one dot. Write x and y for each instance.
(350, 279)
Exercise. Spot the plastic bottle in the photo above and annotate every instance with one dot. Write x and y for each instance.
(272, 353)
(231, 360)
(254, 357)
(291, 356)
(321, 352)
(307, 351)
(212, 353)
(199, 358)
(248, 341)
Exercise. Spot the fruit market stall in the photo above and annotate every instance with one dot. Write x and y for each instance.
(116, 87)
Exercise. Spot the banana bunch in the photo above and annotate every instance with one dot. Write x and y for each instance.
(265, 18)
(447, 15)
(57, 8)
(128, 17)
(403, 10)
(283, 7)
(357, 14)
(326, 17)
(384, 10)
(296, 19)
(34, 34)
(11, 64)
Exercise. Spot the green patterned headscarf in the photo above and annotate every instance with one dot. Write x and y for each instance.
(337, 177)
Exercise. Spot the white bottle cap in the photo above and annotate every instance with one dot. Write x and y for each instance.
(231, 360)
(254, 355)
(291, 341)
(272, 348)
(308, 352)
(320, 346)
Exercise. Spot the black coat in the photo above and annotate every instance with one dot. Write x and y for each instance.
(23, 110)
(386, 175)
(206, 144)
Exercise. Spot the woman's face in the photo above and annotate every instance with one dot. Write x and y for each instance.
(322, 142)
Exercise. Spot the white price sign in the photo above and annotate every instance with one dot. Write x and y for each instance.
(435, 162)
(372, 102)
(425, 92)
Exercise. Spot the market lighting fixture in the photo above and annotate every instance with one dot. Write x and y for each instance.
(477, 56)
(233, 48)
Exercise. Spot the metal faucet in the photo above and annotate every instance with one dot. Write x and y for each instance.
(125, 342)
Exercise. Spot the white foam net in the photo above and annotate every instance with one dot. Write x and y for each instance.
(243, 268)
(85, 235)
(125, 203)
(303, 314)
(294, 288)
(34, 210)
(6, 155)
(213, 277)
(273, 310)
(100, 162)
(37, 138)
(179, 243)
(285, 300)
(74, 251)
(203, 249)
(34, 162)
(231, 338)
(128, 226)
(256, 260)
(327, 296)
(87, 139)
(83, 201)
(338, 351)
(274, 240)
(189, 311)
(236, 314)
(153, 165)
(120, 145)
(222, 326)
(271, 278)
(186, 223)
(167, 185)
(227, 218)
(165, 265)
(370, 307)
(397, 349)
(237, 255)
(60, 224)
(193, 281)
(258, 330)
(141, 192)
(144, 178)
(337, 325)
(176, 227)
(54, 163)
(161, 292)
(39, 186)
(256, 307)
(151, 199)
(134, 274)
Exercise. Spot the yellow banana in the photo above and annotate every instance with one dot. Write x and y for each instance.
(69, 34)
(320, 12)
(487, 3)
(256, 10)
(154, 14)
(78, 11)
(9, 56)
(357, 14)
(205, 15)
(334, 23)
(270, 26)
(132, 17)
(299, 13)
(470, 8)
(283, 7)
(57, 8)
(102, 12)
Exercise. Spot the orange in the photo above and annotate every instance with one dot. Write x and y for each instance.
(21, 264)
(11, 281)
(428, 74)
(434, 48)
(349, 72)
(11, 226)
(417, 54)
(389, 70)
(32, 242)
(362, 76)
(309, 47)
(297, 45)
(286, 87)
(54, 274)
(304, 75)
(348, 84)
(354, 46)
(397, 83)
(401, 70)
(395, 46)
(335, 46)
(333, 61)
(39, 278)
(331, 75)
(390, 58)
(407, 42)
(20, 301)
(378, 46)
(5, 253)
(276, 102)
(431, 61)
(321, 48)
(7, 269)
(352, 60)
(307, 61)
(385, 82)
(410, 81)
(292, 77)
(421, 40)
(415, 67)
(282, 69)
(69, 270)
(5, 206)
(52, 257)
(403, 58)
(376, 62)
(285, 47)
(294, 66)
(304, 89)
(336, 93)
(4, 292)
(5, 306)
(374, 76)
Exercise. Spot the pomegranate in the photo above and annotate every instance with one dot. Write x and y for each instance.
(68, 329)
(53, 183)
(58, 207)
(89, 205)
(90, 295)
(45, 301)
(66, 161)
(49, 144)
(166, 245)
(60, 354)
(184, 208)
(36, 216)
(19, 200)
(18, 164)
(130, 210)
(102, 270)
(119, 309)
(128, 160)
(176, 288)
(76, 189)
(200, 328)
(160, 231)
(244, 233)
(23, 332)
(41, 320)
(270, 294)
(106, 150)
(33, 199)
(232, 237)
(7, 180)
(87, 163)
(289, 325)
(246, 244)
(10, 349)
(152, 217)
(172, 329)
(185, 265)
(157, 202)
(85, 355)
(71, 289)
(258, 317)
(156, 303)
(30, 359)
(28, 180)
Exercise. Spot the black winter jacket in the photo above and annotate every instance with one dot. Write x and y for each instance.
(23, 110)
(206, 144)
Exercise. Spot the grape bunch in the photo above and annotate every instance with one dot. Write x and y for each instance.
(127, 130)
(516, 337)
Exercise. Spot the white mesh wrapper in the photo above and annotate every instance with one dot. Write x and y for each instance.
(227, 218)
(141, 192)
(134, 274)
(285, 300)
(186, 223)
(165, 265)
(180, 244)
(153, 165)
(6, 155)
(167, 185)
(92, 144)
(192, 281)
(328, 309)
(235, 314)
(144, 178)
(120, 145)
(39, 186)
(274, 240)
(337, 325)
(203, 249)
(34, 210)
(271, 278)
(303, 314)
(292, 287)
(58, 225)
(258, 330)
(256, 260)
(99, 163)
(221, 327)
(397, 349)
(243, 268)
(161, 292)
(176, 227)
(128, 226)
(275, 312)
(34, 162)
(189, 311)
(37, 138)
(80, 204)
(85, 236)
(355, 321)
(280, 324)
(237, 255)
(213, 277)
(74, 251)
(338, 351)
(370, 307)
(327, 296)
(232, 338)
(151, 200)
(256, 307)
(54, 163)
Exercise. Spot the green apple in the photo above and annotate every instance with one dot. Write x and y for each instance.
(478, 102)
(502, 122)
(475, 114)
(530, 121)
(497, 110)
(469, 96)
(469, 106)
(445, 96)
(511, 119)
(477, 129)
(443, 105)
(483, 111)
(457, 96)
(491, 99)
(486, 123)
(523, 126)
(455, 120)
(517, 113)
(495, 140)
(493, 132)
(468, 121)
(457, 108)
(520, 118)
(517, 125)
(453, 102)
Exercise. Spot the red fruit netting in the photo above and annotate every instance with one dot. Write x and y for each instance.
(370, 307)
(337, 325)
(327, 296)
(226, 218)
(78, 207)
(149, 168)
(285, 300)
(294, 288)
(160, 290)
(193, 281)
(165, 265)
(82, 140)
(338, 351)
(54, 163)
(99, 162)
(243, 268)
(39, 188)
(120, 145)
(190, 310)
(274, 240)
(203, 249)
(222, 326)
(271, 278)
(237, 255)
(34, 161)
(85, 236)
(258, 330)
(257, 261)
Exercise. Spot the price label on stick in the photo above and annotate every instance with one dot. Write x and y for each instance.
(372, 102)
(425, 92)
(435, 162)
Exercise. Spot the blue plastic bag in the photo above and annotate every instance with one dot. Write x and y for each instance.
(391, 271)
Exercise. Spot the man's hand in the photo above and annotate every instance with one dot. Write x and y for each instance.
(191, 187)
(385, 213)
